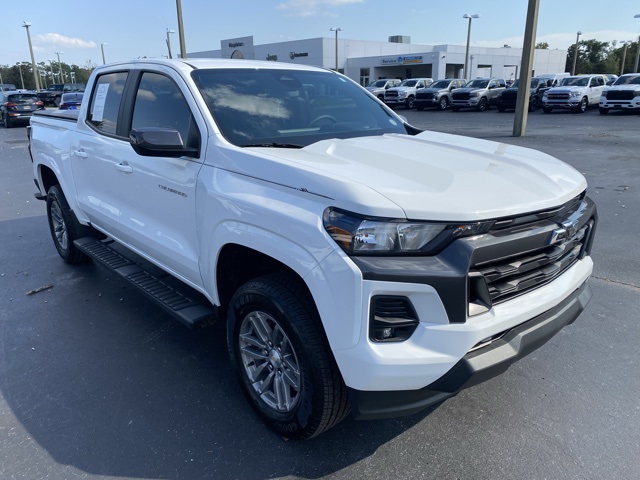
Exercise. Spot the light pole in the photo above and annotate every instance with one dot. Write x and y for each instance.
(575, 53)
(21, 79)
(470, 16)
(336, 29)
(53, 74)
(635, 64)
(169, 41)
(183, 48)
(33, 61)
(624, 55)
(102, 50)
(62, 78)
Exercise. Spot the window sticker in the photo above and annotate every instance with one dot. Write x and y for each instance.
(98, 104)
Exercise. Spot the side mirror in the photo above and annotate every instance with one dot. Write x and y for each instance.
(159, 142)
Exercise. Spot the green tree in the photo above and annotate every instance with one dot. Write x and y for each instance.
(593, 57)
(542, 45)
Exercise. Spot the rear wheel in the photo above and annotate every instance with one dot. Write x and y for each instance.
(63, 227)
(282, 359)
(8, 123)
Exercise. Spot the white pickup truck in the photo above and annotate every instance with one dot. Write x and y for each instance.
(360, 265)
(576, 93)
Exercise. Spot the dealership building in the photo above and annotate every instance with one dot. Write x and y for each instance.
(364, 61)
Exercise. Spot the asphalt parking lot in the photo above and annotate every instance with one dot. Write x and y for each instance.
(96, 382)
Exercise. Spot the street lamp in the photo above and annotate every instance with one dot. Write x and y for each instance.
(33, 61)
(62, 78)
(102, 50)
(470, 16)
(169, 42)
(575, 53)
(624, 54)
(336, 29)
(635, 64)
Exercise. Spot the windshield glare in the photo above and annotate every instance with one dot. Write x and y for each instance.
(477, 84)
(628, 80)
(273, 107)
(575, 82)
(440, 84)
(409, 83)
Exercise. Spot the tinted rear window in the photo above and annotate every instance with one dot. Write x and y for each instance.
(23, 98)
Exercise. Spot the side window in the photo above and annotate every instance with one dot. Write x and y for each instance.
(105, 102)
(160, 103)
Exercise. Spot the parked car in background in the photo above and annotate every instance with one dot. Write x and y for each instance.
(480, 94)
(53, 94)
(576, 93)
(624, 94)
(438, 94)
(508, 98)
(554, 79)
(405, 93)
(378, 87)
(7, 86)
(71, 101)
(17, 107)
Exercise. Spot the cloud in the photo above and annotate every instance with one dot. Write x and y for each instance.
(55, 40)
(310, 8)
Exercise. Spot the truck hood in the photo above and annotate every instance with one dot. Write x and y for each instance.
(568, 89)
(431, 176)
(401, 89)
(627, 87)
(469, 90)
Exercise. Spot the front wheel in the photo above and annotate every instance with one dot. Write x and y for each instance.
(482, 105)
(533, 104)
(281, 358)
(455, 109)
(547, 109)
(582, 106)
(408, 103)
(63, 227)
(443, 104)
(603, 111)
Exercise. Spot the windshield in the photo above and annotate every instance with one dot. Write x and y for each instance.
(288, 108)
(575, 82)
(378, 84)
(28, 98)
(409, 83)
(628, 80)
(477, 84)
(440, 84)
(534, 83)
(55, 87)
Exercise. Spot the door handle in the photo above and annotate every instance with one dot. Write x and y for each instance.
(124, 167)
(80, 153)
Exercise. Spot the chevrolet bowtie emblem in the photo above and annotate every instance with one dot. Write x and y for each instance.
(567, 230)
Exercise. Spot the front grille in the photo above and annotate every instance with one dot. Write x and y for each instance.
(424, 96)
(558, 96)
(460, 95)
(523, 253)
(509, 96)
(391, 94)
(522, 273)
(620, 95)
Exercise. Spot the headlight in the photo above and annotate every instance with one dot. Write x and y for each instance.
(473, 94)
(402, 94)
(359, 235)
(637, 94)
(575, 94)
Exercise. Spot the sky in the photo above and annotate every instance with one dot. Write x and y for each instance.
(137, 28)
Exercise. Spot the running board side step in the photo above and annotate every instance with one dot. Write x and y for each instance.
(176, 303)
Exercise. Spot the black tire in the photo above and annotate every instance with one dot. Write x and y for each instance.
(603, 111)
(455, 109)
(443, 104)
(582, 106)
(547, 109)
(502, 109)
(533, 104)
(63, 227)
(482, 105)
(419, 108)
(8, 123)
(56, 101)
(276, 345)
(408, 103)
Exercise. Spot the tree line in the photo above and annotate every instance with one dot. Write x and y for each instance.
(593, 57)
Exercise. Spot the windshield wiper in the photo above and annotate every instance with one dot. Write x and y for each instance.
(274, 145)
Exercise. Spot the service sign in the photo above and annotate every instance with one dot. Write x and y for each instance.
(402, 60)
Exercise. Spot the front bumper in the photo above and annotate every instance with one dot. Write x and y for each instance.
(621, 104)
(570, 103)
(472, 102)
(476, 366)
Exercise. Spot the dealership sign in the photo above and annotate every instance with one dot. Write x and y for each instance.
(402, 60)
